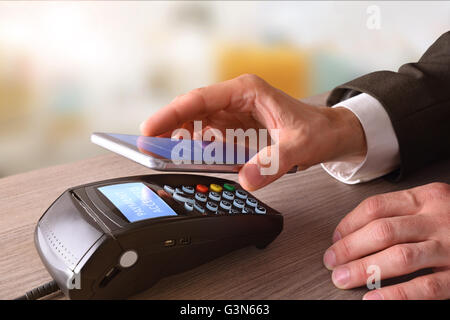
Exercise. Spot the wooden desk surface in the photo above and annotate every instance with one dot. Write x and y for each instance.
(291, 267)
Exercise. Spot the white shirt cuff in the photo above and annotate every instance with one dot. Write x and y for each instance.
(382, 154)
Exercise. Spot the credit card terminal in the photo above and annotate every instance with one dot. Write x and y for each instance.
(115, 238)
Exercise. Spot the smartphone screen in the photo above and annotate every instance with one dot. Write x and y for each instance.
(194, 151)
(168, 154)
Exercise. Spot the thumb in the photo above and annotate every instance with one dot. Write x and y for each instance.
(266, 166)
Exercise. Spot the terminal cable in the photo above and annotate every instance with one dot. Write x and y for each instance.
(39, 292)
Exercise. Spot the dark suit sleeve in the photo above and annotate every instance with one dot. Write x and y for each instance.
(417, 100)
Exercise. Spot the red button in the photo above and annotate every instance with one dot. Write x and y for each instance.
(201, 188)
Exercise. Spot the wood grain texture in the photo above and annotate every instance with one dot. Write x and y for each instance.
(311, 202)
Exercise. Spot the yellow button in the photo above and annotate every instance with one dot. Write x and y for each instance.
(215, 187)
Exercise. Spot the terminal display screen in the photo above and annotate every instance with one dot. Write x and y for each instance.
(136, 201)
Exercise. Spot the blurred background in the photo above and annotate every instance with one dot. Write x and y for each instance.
(70, 68)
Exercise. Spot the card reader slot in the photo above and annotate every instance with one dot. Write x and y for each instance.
(90, 213)
(111, 274)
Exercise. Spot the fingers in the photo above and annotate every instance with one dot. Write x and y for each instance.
(376, 236)
(174, 115)
(266, 166)
(380, 206)
(395, 261)
(432, 286)
(438, 269)
(234, 94)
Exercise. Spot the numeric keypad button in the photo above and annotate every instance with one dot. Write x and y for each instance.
(200, 197)
(241, 194)
(188, 189)
(182, 198)
(234, 211)
(211, 206)
(199, 207)
(251, 202)
(238, 203)
(228, 195)
(224, 204)
(169, 189)
(260, 210)
(214, 196)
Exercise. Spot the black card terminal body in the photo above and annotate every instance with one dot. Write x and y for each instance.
(115, 238)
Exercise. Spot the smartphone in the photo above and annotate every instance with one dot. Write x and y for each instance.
(166, 154)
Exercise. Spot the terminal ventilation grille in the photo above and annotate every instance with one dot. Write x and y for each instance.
(57, 246)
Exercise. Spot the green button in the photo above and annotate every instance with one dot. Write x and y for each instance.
(229, 187)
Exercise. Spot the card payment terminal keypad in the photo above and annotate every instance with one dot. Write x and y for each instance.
(215, 199)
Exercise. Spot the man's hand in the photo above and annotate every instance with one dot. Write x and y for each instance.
(400, 232)
(308, 135)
